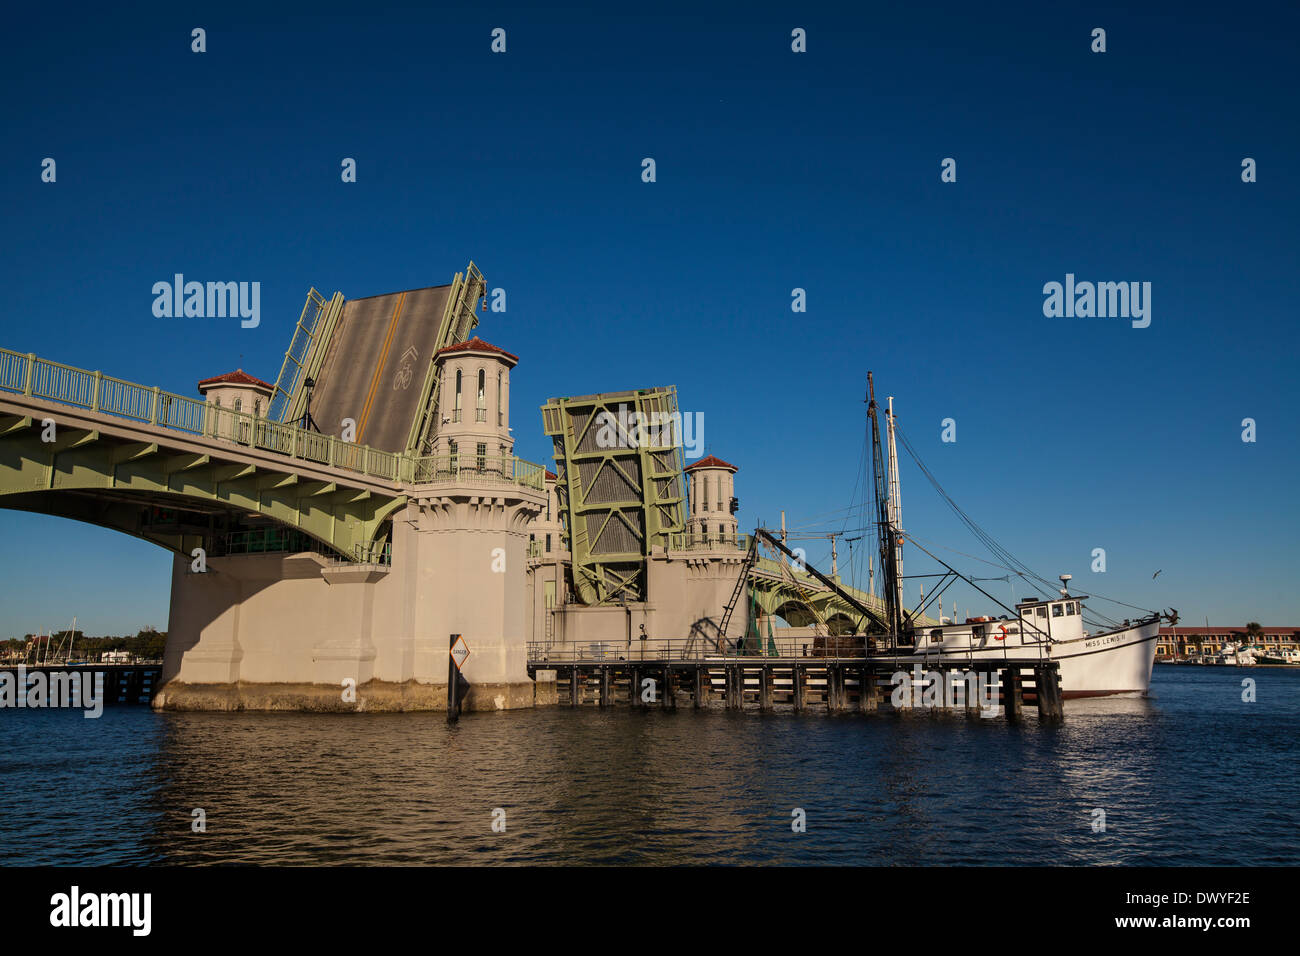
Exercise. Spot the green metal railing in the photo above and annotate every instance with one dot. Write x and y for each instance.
(474, 469)
(278, 540)
(657, 649)
(690, 540)
(40, 378)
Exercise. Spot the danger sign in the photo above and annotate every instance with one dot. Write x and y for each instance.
(459, 651)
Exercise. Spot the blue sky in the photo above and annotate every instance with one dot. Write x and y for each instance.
(775, 170)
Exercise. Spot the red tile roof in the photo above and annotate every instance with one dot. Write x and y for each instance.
(1234, 629)
(711, 462)
(476, 344)
(237, 377)
(550, 475)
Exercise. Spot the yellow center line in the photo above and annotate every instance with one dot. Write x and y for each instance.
(379, 368)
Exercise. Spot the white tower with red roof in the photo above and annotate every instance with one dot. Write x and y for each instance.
(712, 491)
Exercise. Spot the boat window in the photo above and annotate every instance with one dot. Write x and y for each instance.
(936, 636)
(1042, 610)
(1057, 610)
(1069, 607)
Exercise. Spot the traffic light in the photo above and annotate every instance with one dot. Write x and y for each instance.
(735, 505)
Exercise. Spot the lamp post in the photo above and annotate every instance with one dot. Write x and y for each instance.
(309, 423)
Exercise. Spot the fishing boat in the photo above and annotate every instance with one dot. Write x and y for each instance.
(1092, 664)
(1094, 661)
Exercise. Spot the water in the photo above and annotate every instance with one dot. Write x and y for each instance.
(1191, 775)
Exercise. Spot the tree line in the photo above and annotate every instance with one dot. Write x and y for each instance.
(147, 644)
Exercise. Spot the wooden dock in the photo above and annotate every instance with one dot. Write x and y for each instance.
(837, 685)
(123, 683)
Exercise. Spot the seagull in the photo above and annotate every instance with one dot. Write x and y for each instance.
(1156, 575)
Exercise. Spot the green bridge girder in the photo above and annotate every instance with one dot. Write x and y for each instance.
(178, 494)
(620, 486)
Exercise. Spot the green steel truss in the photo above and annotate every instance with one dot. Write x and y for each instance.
(311, 337)
(458, 320)
(620, 489)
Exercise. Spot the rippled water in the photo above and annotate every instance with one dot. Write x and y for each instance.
(1191, 775)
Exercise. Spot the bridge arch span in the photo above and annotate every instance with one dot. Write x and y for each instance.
(182, 492)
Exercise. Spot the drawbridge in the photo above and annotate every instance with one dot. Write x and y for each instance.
(620, 486)
(183, 473)
(366, 365)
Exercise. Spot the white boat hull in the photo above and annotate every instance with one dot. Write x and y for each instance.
(1097, 665)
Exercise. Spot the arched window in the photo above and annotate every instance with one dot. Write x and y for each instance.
(455, 415)
(239, 404)
(501, 412)
(480, 406)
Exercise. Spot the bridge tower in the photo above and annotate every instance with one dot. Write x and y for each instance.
(290, 630)
(474, 415)
(712, 493)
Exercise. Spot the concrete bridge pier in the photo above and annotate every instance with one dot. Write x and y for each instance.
(301, 632)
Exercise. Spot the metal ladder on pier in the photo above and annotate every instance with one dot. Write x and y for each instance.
(742, 581)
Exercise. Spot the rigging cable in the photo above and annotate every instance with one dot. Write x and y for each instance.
(1014, 565)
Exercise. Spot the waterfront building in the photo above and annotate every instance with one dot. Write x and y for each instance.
(1180, 643)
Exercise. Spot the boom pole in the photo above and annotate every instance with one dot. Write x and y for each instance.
(868, 613)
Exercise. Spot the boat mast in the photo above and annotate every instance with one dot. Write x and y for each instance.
(884, 523)
(895, 509)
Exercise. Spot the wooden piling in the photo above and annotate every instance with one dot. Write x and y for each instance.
(796, 680)
(575, 695)
(670, 690)
(1012, 694)
(972, 696)
(699, 686)
(1048, 686)
(765, 688)
(871, 702)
